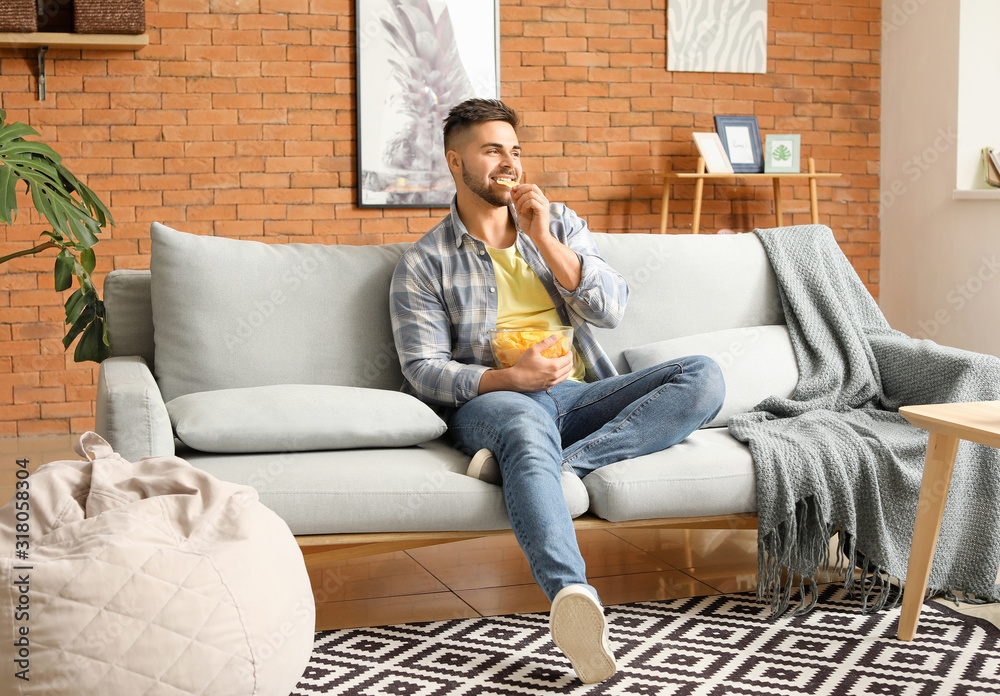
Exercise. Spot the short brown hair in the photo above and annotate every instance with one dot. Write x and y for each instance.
(472, 112)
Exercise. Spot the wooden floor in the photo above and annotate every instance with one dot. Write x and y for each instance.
(490, 576)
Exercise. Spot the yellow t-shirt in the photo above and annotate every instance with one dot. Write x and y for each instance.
(522, 300)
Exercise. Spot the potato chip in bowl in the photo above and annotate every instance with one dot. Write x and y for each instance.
(509, 344)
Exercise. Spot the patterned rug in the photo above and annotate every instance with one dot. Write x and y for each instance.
(722, 645)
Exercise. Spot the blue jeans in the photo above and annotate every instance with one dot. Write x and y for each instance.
(580, 427)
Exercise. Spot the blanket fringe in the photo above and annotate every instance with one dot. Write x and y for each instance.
(803, 544)
(953, 596)
(791, 554)
(863, 579)
(781, 549)
(878, 589)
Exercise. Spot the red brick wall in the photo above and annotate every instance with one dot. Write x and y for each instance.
(239, 121)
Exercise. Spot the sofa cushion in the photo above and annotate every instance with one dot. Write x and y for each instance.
(300, 417)
(417, 489)
(686, 284)
(757, 362)
(231, 313)
(709, 473)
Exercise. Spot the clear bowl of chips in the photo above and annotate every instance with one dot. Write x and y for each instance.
(509, 344)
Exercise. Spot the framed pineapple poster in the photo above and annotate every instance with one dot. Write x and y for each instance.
(416, 59)
(781, 154)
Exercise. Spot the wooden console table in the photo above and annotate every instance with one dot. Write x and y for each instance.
(775, 178)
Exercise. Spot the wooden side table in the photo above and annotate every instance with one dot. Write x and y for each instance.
(947, 423)
(775, 179)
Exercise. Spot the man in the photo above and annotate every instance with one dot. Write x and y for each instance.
(505, 257)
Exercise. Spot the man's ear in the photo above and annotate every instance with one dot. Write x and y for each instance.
(454, 161)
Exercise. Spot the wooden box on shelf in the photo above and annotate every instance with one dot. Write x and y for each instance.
(18, 15)
(109, 16)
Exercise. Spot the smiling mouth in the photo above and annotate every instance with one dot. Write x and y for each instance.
(509, 183)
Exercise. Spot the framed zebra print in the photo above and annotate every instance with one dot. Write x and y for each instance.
(717, 36)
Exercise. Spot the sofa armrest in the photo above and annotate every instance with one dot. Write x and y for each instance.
(131, 414)
(920, 371)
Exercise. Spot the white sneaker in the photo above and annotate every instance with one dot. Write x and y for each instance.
(580, 630)
(484, 467)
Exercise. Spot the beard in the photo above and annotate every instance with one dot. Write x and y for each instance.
(499, 199)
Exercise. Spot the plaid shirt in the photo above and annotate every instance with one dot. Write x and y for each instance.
(443, 302)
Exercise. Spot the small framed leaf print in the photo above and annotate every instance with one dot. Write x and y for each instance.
(781, 154)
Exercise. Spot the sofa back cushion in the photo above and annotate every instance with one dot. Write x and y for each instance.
(687, 284)
(233, 313)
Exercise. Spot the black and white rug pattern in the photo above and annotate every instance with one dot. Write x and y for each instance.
(722, 645)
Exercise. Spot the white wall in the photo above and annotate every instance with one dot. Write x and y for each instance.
(978, 89)
(940, 257)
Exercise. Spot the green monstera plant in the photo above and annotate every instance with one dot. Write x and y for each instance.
(76, 217)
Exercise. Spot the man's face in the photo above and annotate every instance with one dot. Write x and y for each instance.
(491, 152)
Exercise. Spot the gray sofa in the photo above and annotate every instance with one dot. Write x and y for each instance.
(273, 365)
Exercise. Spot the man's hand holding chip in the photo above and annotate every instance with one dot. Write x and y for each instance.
(532, 212)
(533, 216)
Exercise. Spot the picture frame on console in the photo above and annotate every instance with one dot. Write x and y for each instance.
(740, 137)
(415, 61)
(711, 150)
(782, 153)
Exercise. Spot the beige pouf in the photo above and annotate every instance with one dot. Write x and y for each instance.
(147, 578)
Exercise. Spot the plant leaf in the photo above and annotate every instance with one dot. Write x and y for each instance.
(15, 130)
(70, 207)
(28, 147)
(88, 259)
(88, 315)
(65, 265)
(74, 306)
(43, 204)
(93, 345)
(8, 195)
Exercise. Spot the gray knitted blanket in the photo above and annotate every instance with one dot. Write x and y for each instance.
(837, 458)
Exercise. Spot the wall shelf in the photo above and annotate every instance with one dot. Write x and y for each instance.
(976, 194)
(44, 40)
(106, 42)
